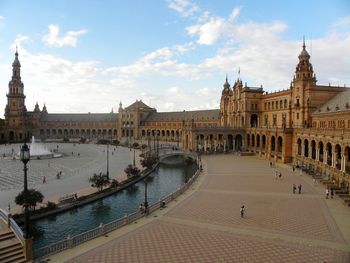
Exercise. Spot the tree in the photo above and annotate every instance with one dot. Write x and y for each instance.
(114, 183)
(149, 160)
(132, 171)
(99, 181)
(135, 145)
(33, 197)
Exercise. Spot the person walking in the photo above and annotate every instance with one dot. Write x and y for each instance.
(327, 193)
(293, 168)
(242, 210)
(294, 188)
(299, 188)
(332, 192)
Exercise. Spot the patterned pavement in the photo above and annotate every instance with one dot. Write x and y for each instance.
(206, 227)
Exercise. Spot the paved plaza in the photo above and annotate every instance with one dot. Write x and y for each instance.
(204, 225)
(78, 164)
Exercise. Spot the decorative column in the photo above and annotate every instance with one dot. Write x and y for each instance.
(302, 149)
(325, 156)
(342, 167)
(333, 158)
(317, 154)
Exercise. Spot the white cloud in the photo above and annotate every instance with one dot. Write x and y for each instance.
(344, 21)
(183, 7)
(210, 29)
(69, 39)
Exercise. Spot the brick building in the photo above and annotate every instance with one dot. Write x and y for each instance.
(306, 122)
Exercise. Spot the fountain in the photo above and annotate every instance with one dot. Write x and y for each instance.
(38, 151)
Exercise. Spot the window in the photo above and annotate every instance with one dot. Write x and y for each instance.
(298, 116)
(266, 120)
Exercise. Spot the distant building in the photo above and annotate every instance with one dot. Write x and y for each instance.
(305, 123)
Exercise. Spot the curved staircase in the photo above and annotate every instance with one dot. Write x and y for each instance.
(11, 249)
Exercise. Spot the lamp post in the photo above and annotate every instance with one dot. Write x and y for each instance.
(134, 158)
(25, 157)
(146, 203)
(107, 161)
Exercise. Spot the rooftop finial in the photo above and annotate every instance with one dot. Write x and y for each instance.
(16, 51)
(304, 43)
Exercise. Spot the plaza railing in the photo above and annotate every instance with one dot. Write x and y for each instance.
(104, 229)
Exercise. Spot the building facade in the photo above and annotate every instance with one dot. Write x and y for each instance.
(304, 123)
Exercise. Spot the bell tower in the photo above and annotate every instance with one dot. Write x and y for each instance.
(15, 111)
(303, 82)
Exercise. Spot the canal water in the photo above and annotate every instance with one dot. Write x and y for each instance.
(163, 181)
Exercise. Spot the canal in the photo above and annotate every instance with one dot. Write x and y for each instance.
(163, 181)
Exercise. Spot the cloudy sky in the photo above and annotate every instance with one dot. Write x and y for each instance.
(88, 55)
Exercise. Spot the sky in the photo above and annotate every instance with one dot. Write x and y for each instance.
(89, 55)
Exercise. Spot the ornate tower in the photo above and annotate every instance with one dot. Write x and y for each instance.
(225, 104)
(303, 82)
(15, 111)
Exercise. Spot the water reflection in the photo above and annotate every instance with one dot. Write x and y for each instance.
(100, 208)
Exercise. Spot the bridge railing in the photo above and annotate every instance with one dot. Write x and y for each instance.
(71, 242)
(12, 224)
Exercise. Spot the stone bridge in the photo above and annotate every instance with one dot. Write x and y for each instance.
(166, 153)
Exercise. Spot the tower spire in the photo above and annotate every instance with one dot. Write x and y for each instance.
(304, 46)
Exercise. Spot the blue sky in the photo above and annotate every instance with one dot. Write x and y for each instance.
(80, 56)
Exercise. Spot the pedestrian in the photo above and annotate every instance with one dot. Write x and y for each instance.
(301, 172)
(327, 193)
(299, 188)
(270, 164)
(332, 192)
(242, 211)
(141, 208)
(315, 182)
(293, 168)
(44, 179)
(280, 176)
(294, 188)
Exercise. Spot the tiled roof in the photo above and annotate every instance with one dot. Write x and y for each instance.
(185, 115)
(340, 102)
(138, 105)
(80, 117)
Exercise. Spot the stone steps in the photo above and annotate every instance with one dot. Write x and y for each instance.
(11, 252)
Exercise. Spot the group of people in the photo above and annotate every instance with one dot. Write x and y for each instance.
(295, 188)
(58, 175)
(329, 191)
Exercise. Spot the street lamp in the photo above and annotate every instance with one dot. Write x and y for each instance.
(146, 203)
(107, 161)
(134, 157)
(25, 157)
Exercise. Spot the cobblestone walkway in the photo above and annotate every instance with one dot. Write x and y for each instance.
(279, 226)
